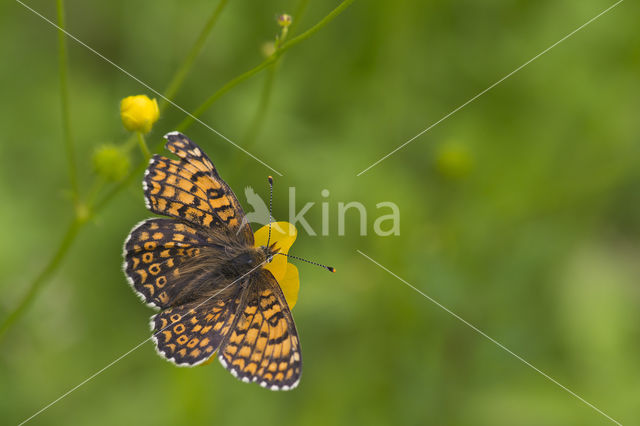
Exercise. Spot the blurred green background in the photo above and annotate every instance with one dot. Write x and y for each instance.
(520, 213)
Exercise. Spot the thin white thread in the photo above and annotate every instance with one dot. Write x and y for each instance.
(88, 379)
(150, 88)
(500, 345)
(490, 87)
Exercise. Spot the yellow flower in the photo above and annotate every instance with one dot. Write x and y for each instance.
(283, 234)
(138, 113)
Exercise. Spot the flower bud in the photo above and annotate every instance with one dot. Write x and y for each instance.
(138, 113)
(111, 163)
(284, 20)
(268, 48)
(454, 161)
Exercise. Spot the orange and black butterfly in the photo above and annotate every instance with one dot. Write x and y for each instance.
(201, 269)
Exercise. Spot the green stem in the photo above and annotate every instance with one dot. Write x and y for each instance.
(130, 143)
(311, 31)
(97, 185)
(188, 121)
(267, 89)
(181, 73)
(297, 15)
(64, 100)
(119, 187)
(45, 274)
(261, 111)
(143, 146)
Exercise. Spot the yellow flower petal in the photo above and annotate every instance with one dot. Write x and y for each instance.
(138, 113)
(290, 285)
(283, 234)
(278, 267)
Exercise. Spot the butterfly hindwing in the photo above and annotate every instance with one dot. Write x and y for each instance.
(263, 345)
(153, 253)
(190, 334)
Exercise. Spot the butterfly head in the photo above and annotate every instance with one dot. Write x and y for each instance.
(245, 260)
(269, 251)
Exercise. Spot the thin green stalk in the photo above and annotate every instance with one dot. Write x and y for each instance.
(143, 145)
(181, 73)
(267, 89)
(97, 185)
(297, 15)
(268, 61)
(188, 121)
(64, 100)
(311, 31)
(135, 173)
(261, 111)
(45, 274)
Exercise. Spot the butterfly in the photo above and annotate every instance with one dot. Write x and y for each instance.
(199, 266)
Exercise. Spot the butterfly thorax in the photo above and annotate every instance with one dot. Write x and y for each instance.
(217, 266)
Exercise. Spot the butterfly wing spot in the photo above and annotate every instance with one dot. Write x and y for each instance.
(143, 275)
(154, 269)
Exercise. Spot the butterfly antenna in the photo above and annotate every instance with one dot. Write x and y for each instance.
(328, 268)
(270, 205)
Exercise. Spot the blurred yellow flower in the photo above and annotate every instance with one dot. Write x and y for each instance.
(138, 113)
(454, 161)
(283, 234)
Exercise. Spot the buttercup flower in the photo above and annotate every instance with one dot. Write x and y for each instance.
(138, 113)
(283, 234)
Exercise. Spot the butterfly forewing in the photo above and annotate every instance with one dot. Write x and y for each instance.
(191, 189)
(263, 345)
